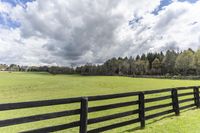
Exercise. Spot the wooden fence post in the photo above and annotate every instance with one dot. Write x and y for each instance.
(196, 97)
(141, 110)
(175, 103)
(84, 115)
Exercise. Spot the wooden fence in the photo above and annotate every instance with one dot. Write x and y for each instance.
(84, 110)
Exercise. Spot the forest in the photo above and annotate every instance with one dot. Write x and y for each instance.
(169, 63)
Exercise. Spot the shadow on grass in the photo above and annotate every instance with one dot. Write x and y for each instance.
(156, 120)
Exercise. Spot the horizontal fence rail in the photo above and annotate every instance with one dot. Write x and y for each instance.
(177, 99)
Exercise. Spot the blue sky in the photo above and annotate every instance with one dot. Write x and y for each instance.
(15, 2)
(164, 3)
(5, 20)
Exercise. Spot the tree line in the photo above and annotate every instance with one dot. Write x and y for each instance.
(171, 63)
(50, 69)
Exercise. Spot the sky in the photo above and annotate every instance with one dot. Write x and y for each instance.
(75, 32)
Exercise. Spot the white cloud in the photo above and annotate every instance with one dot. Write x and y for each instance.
(175, 27)
(4, 7)
(180, 24)
(79, 31)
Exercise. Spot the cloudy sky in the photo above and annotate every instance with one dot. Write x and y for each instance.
(65, 32)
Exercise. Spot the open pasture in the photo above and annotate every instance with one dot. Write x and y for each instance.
(20, 87)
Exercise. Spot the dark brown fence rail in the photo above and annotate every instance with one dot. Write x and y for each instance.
(175, 107)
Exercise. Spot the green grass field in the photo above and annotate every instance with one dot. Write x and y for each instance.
(17, 87)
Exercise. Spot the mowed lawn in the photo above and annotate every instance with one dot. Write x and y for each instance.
(18, 87)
